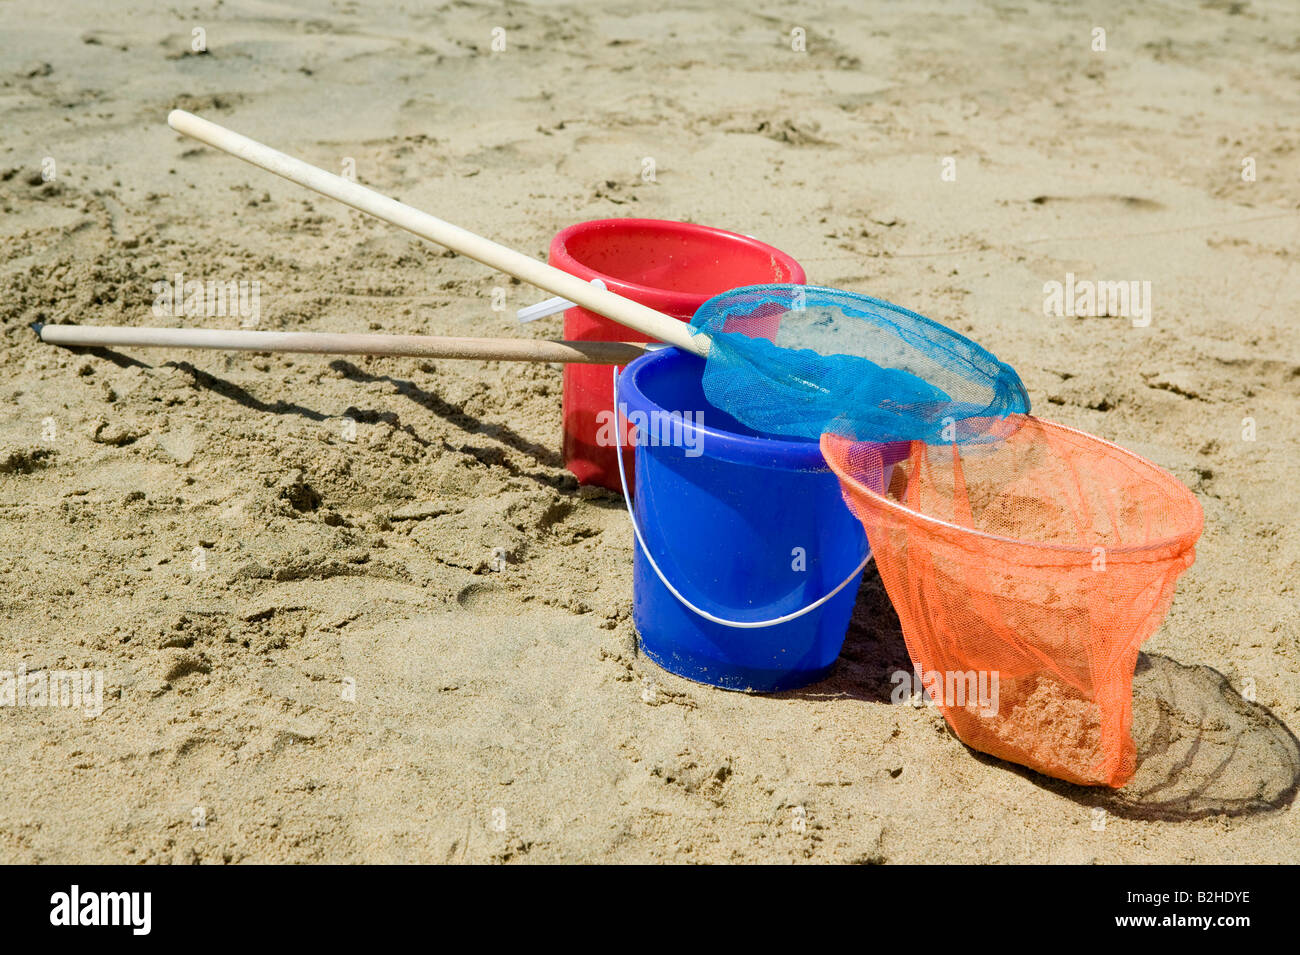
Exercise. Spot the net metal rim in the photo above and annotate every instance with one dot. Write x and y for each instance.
(1178, 543)
(1008, 395)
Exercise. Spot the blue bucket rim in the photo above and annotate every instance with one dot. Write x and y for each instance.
(794, 454)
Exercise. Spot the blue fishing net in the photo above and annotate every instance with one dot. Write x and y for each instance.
(798, 360)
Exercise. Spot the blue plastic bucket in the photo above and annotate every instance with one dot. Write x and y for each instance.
(746, 527)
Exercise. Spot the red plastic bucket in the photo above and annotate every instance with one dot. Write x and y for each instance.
(674, 267)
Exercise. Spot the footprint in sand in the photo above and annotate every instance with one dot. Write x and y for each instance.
(489, 597)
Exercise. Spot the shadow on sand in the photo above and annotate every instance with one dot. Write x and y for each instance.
(1202, 749)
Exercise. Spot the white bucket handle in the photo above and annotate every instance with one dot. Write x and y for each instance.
(738, 624)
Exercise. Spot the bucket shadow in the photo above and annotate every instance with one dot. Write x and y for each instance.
(873, 650)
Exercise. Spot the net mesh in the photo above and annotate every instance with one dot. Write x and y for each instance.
(797, 360)
(1045, 556)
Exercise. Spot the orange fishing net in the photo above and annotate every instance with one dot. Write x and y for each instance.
(1037, 562)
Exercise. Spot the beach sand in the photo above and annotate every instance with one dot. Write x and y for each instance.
(306, 652)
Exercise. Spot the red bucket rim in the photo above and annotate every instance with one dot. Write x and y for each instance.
(664, 300)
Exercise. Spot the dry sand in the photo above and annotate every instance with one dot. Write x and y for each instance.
(506, 716)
